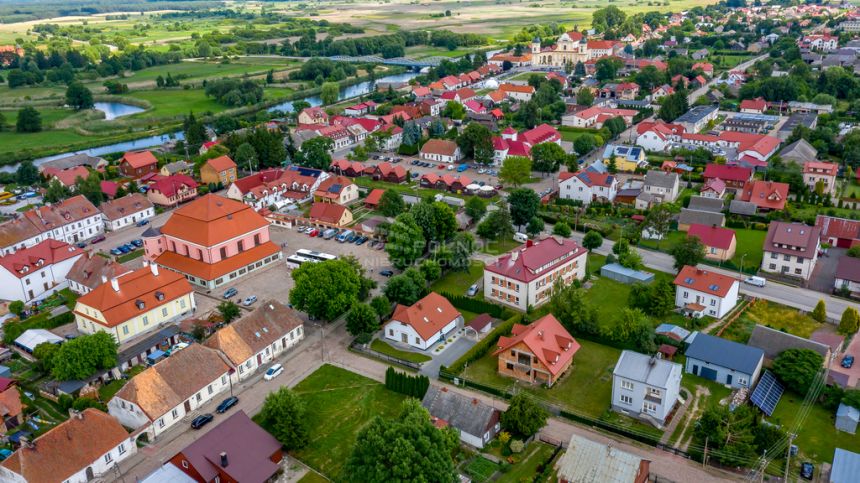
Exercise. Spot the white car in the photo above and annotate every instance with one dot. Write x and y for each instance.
(249, 300)
(757, 281)
(273, 372)
(473, 290)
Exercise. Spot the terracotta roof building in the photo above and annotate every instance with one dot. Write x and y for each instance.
(423, 323)
(166, 392)
(211, 241)
(90, 271)
(839, 232)
(720, 243)
(67, 177)
(235, 450)
(36, 272)
(126, 211)
(11, 409)
(734, 177)
(336, 189)
(172, 190)
(765, 195)
(702, 292)
(276, 186)
(539, 352)
(330, 214)
(256, 339)
(135, 303)
(86, 446)
(71, 220)
(440, 151)
(136, 164)
(219, 170)
(791, 249)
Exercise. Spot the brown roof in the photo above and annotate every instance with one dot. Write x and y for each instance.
(221, 163)
(374, 197)
(138, 286)
(704, 281)
(120, 207)
(332, 187)
(780, 234)
(211, 271)
(327, 212)
(428, 315)
(10, 402)
(68, 448)
(138, 159)
(46, 218)
(212, 219)
(16, 231)
(439, 146)
(172, 381)
(29, 260)
(90, 268)
(249, 335)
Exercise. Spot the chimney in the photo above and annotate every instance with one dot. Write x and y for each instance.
(154, 268)
(145, 262)
(115, 284)
(529, 243)
(224, 461)
(104, 279)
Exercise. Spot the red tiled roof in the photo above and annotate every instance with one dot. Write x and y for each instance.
(442, 147)
(170, 185)
(712, 236)
(704, 281)
(221, 163)
(120, 207)
(766, 194)
(428, 315)
(332, 187)
(832, 227)
(819, 167)
(525, 263)
(28, 260)
(211, 220)
(138, 159)
(327, 212)
(374, 197)
(600, 44)
(546, 339)
(727, 173)
(541, 134)
(517, 88)
(714, 184)
(67, 177)
(211, 271)
(109, 188)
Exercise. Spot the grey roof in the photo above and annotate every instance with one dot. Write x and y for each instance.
(742, 207)
(661, 179)
(673, 331)
(707, 218)
(703, 203)
(648, 369)
(725, 353)
(849, 412)
(696, 114)
(146, 343)
(462, 412)
(81, 159)
(846, 466)
(799, 151)
(774, 342)
(806, 119)
(33, 337)
(636, 275)
(587, 461)
(177, 166)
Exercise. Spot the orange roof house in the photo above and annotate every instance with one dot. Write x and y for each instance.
(766, 195)
(372, 200)
(137, 164)
(424, 323)
(336, 189)
(537, 353)
(218, 170)
(330, 214)
(11, 409)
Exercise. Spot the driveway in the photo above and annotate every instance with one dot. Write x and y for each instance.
(825, 270)
(448, 356)
(847, 377)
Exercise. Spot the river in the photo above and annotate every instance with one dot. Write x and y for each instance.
(347, 92)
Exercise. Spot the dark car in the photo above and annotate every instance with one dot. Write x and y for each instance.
(202, 420)
(116, 251)
(227, 404)
(807, 470)
(81, 244)
(230, 292)
(847, 362)
(386, 273)
(97, 239)
(137, 242)
(142, 223)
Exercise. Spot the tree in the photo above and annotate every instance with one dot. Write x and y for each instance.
(607, 68)
(56, 191)
(406, 288)
(29, 120)
(270, 77)
(408, 448)
(27, 173)
(83, 356)
(515, 170)
(79, 97)
(325, 290)
(91, 188)
(572, 309)
(657, 299)
(535, 226)
(592, 240)
(391, 203)
(246, 156)
(195, 131)
(630, 259)
(462, 248)
(405, 241)
(819, 313)
(584, 144)
(316, 153)
(673, 106)
(584, 97)
(229, 311)
(524, 205)
(16, 307)
(797, 368)
(850, 321)
(436, 219)
(381, 305)
(607, 18)
(430, 269)
(658, 221)
(524, 416)
(547, 157)
(496, 225)
(689, 251)
(562, 229)
(454, 110)
(476, 208)
(283, 415)
(45, 353)
(329, 92)
(362, 319)
(476, 142)
(2, 121)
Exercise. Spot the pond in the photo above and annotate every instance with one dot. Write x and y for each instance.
(114, 110)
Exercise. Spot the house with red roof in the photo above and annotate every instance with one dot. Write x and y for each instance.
(330, 214)
(594, 117)
(625, 91)
(588, 185)
(517, 92)
(703, 292)
(525, 276)
(838, 232)
(36, 272)
(276, 186)
(67, 177)
(424, 323)
(538, 353)
(753, 106)
(713, 188)
(336, 189)
(474, 106)
(655, 136)
(543, 133)
(791, 249)
(445, 182)
(820, 177)
(765, 195)
(205, 147)
(313, 115)
(172, 190)
(373, 198)
(720, 243)
(360, 109)
(137, 164)
(734, 177)
(345, 167)
(660, 92)
(706, 67)
(219, 170)
(440, 151)
(504, 146)
(387, 172)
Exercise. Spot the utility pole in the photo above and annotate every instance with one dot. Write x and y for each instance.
(788, 455)
(705, 456)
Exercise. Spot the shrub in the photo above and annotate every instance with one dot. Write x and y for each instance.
(517, 446)
(484, 345)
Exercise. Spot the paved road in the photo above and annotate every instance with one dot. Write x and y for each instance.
(743, 66)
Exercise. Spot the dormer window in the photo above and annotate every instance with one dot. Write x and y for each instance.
(140, 304)
(159, 295)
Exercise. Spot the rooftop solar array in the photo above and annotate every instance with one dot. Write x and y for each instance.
(767, 393)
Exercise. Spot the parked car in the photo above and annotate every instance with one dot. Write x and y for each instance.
(807, 470)
(386, 273)
(230, 292)
(81, 244)
(142, 222)
(450, 167)
(273, 372)
(249, 300)
(202, 420)
(473, 290)
(314, 232)
(227, 404)
(177, 347)
(847, 362)
(116, 251)
(97, 239)
(123, 249)
(757, 281)
(361, 240)
(137, 242)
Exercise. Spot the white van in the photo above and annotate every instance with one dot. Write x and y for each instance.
(521, 237)
(757, 281)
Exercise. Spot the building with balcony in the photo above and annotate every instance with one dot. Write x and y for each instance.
(791, 249)
(645, 387)
(539, 353)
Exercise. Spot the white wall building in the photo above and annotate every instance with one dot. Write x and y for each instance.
(645, 387)
(126, 211)
(791, 249)
(424, 323)
(36, 272)
(701, 292)
(588, 185)
(71, 221)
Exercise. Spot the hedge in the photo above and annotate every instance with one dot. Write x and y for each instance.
(484, 345)
(477, 306)
(414, 386)
(13, 330)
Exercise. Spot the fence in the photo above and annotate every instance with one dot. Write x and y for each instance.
(384, 357)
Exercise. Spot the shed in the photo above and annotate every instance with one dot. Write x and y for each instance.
(724, 361)
(614, 271)
(668, 351)
(774, 342)
(481, 324)
(672, 331)
(847, 418)
(846, 466)
(33, 337)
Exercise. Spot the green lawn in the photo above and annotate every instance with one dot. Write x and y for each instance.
(312, 477)
(192, 71)
(534, 456)
(457, 282)
(386, 348)
(592, 369)
(498, 247)
(818, 437)
(749, 242)
(771, 315)
(480, 469)
(609, 297)
(339, 404)
(690, 383)
(130, 256)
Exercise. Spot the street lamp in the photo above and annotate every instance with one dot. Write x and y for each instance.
(741, 271)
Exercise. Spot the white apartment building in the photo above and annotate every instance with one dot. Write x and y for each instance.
(645, 387)
(588, 185)
(701, 292)
(126, 211)
(38, 271)
(71, 221)
(791, 249)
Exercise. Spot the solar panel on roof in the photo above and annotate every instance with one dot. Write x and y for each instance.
(688, 280)
(714, 287)
(335, 188)
(767, 393)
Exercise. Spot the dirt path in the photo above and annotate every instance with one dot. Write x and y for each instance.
(692, 415)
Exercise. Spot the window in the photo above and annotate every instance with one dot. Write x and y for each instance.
(223, 380)
(164, 312)
(713, 302)
(122, 448)
(798, 271)
(787, 258)
(108, 458)
(209, 388)
(241, 369)
(772, 266)
(509, 366)
(175, 413)
(686, 294)
(160, 422)
(125, 330)
(145, 320)
(627, 385)
(199, 397)
(773, 255)
(223, 252)
(182, 303)
(626, 399)
(649, 407)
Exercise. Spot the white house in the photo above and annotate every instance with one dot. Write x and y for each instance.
(645, 387)
(183, 382)
(701, 292)
(256, 339)
(88, 446)
(660, 187)
(441, 151)
(656, 136)
(424, 323)
(848, 275)
(36, 272)
(588, 185)
(126, 211)
(791, 249)
(71, 220)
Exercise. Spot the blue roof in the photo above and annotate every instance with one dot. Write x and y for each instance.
(696, 114)
(629, 152)
(681, 332)
(725, 353)
(846, 466)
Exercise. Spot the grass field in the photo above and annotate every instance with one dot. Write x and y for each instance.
(312, 477)
(609, 297)
(196, 71)
(498, 247)
(818, 437)
(339, 404)
(775, 316)
(456, 282)
(387, 349)
(534, 456)
(749, 242)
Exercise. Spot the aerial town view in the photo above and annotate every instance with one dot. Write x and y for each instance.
(379, 241)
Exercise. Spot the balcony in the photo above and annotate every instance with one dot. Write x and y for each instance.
(654, 399)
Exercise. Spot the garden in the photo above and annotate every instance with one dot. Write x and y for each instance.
(773, 315)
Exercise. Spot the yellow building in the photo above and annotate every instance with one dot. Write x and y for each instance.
(135, 303)
(219, 170)
(627, 158)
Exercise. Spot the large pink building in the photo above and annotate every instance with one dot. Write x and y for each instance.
(212, 241)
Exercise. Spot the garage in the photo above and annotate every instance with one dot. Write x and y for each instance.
(709, 374)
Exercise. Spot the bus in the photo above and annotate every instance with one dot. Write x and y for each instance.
(315, 256)
(295, 261)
